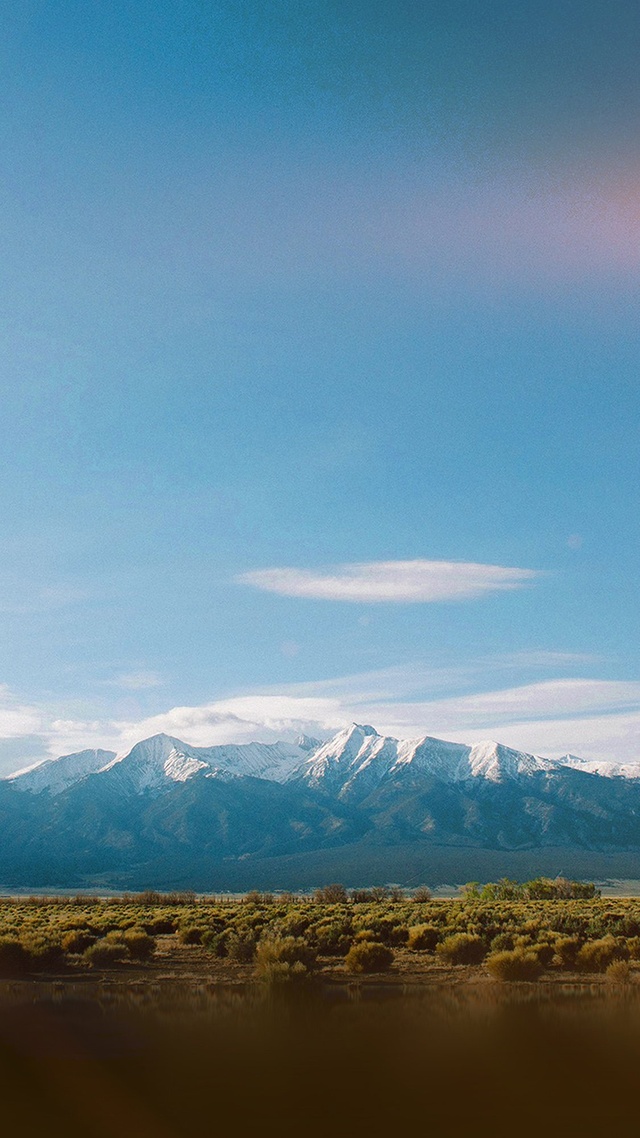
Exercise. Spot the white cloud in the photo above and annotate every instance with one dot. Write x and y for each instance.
(531, 702)
(18, 719)
(416, 581)
(590, 717)
(585, 716)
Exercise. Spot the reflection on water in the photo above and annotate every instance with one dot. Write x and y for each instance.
(170, 1060)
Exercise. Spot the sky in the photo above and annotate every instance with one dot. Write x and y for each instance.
(319, 384)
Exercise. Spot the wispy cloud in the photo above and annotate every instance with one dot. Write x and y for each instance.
(404, 582)
(18, 719)
(137, 681)
(591, 717)
(598, 719)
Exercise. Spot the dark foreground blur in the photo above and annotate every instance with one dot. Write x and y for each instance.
(155, 1061)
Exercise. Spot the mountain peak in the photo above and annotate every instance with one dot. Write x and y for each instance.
(362, 730)
(307, 742)
(56, 775)
(496, 762)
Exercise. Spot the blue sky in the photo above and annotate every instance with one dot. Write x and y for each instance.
(319, 371)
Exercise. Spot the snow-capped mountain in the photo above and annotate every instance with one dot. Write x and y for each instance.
(604, 767)
(55, 775)
(168, 812)
(357, 759)
(155, 763)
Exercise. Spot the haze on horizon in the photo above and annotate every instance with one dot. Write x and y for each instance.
(319, 388)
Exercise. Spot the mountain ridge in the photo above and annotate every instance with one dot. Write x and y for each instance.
(165, 808)
(356, 753)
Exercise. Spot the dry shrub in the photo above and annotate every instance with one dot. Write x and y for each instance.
(284, 959)
(423, 938)
(216, 942)
(139, 944)
(368, 956)
(334, 894)
(633, 946)
(191, 934)
(619, 972)
(76, 940)
(241, 946)
(503, 942)
(43, 954)
(255, 897)
(462, 948)
(567, 949)
(421, 895)
(545, 952)
(515, 964)
(162, 923)
(105, 954)
(333, 938)
(14, 959)
(597, 955)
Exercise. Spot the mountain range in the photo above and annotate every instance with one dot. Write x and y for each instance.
(359, 806)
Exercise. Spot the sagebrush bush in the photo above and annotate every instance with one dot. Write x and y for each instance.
(191, 934)
(14, 959)
(163, 923)
(76, 940)
(567, 949)
(284, 959)
(515, 964)
(277, 972)
(423, 938)
(368, 956)
(462, 948)
(618, 972)
(241, 945)
(216, 942)
(333, 938)
(597, 955)
(42, 954)
(633, 946)
(502, 942)
(139, 944)
(105, 953)
(544, 951)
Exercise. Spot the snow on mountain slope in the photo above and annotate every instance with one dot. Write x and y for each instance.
(157, 761)
(56, 775)
(331, 762)
(350, 765)
(161, 760)
(446, 761)
(494, 762)
(357, 760)
(152, 763)
(604, 767)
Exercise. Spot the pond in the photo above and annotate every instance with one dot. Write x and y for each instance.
(167, 1060)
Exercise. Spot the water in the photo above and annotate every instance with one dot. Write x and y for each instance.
(170, 1060)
